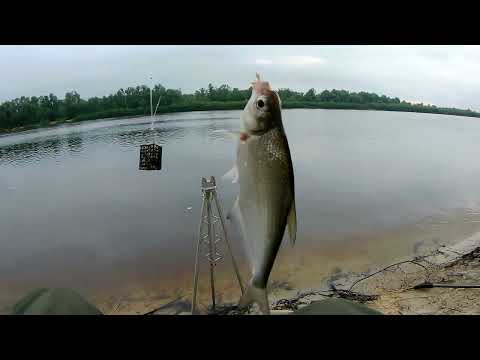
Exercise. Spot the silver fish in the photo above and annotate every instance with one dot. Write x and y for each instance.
(266, 199)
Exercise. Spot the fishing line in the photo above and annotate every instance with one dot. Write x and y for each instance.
(151, 124)
(389, 266)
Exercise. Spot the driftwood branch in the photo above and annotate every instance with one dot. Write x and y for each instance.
(352, 295)
(164, 306)
(293, 303)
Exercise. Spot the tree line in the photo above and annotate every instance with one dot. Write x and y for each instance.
(38, 111)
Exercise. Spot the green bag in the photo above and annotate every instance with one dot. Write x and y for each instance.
(336, 307)
(53, 302)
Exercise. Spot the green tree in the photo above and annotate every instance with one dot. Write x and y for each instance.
(310, 95)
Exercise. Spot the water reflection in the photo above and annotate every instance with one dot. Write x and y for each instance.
(25, 153)
(74, 143)
(25, 148)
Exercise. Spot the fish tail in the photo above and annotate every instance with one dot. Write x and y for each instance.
(255, 294)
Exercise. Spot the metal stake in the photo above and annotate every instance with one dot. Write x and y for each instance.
(195, 276)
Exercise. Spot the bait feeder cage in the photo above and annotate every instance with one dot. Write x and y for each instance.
(150, 157)
(151, 154)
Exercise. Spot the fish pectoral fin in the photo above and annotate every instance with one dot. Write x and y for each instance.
(234, 134)
(292, 224)
(255, 294)
(232, 175)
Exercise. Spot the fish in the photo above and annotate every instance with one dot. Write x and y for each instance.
(265, 204)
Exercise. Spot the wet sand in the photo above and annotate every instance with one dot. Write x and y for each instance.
(143, 285)
(336, 258)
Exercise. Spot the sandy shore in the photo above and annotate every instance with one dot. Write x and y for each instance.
(454, 265)
(391, 291)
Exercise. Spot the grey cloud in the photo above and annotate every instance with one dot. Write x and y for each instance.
(442, 75)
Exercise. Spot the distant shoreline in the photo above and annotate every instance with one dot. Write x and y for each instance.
(119, 114)
(26, 113)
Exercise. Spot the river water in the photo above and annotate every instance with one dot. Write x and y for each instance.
(371, 186)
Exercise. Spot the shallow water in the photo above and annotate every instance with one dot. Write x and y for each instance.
(371, 186)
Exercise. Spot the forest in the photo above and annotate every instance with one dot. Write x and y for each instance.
(47, 110)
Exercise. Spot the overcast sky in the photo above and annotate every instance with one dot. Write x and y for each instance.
(440, 75)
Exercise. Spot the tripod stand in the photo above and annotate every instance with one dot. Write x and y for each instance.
(208, 236)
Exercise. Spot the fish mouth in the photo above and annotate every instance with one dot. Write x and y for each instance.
(261, 87)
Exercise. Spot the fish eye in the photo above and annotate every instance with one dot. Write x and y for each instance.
(260, 103)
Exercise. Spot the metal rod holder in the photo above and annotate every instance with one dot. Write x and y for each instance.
(209, 238)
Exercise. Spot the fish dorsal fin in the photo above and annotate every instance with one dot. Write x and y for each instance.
(292, 224)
